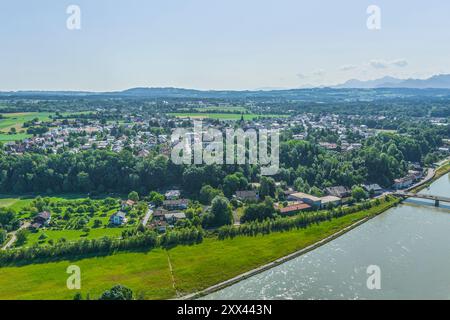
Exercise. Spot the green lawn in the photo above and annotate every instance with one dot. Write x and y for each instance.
(194, 267)
(146, 273)
(14, 203)
(16, 120)
(73, 235)
(224, 116)
(4, 137)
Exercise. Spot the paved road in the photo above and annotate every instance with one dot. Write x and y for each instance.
(13, 234)
(427, 178)
(236, 219)
(147, 217)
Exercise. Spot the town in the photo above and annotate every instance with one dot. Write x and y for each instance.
(101, 180)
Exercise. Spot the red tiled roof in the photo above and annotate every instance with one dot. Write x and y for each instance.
(295, 207)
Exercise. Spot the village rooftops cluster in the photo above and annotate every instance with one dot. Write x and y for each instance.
(77, 136)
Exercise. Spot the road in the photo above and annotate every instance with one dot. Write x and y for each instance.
(147, 217)
(427, 178)
(13, 234)
(236, 219)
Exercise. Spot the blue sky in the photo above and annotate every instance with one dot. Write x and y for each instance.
(217, 44)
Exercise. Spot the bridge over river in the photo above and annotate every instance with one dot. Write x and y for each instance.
(436, 199)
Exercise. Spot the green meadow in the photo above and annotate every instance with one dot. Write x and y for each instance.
(73, 235)
(194, 267)
(16, 120)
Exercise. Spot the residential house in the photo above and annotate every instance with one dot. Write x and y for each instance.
(41, 220)
(161, 226)
(418, 174)
(159, 214)
(127, 204)
(295, 208)
(118, 218)
(306, 198)
(338, 191)
(179, 204)
(373, 189)
(330, 200)
(249, 195)
(172, 218)
(404, 182)
(173, 195)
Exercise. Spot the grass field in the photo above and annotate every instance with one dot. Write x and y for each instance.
(195, 267)
(73, 235)
(18, 203)
(14, 203)
(16, 120)
(224, 116)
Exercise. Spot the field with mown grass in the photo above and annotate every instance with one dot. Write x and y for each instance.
(16, 120)
(195, 267)
(73, 235)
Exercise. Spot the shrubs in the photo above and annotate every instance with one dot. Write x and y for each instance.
(104, 245)
(221, 213)
(300, 221)
(118, 292)
(259, 212)
(181, 236)
(146, 240)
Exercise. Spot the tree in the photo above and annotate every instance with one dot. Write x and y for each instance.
(78, 296)
(133, 195)
(233, 183)
(84, 182)
(3, 236)
(21, 236)
(117, 292)
(221, 212)
(259, 212)
(156, 198)
(358, 193)
(267, 188)
(208, 193)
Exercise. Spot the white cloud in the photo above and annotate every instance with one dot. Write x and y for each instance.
(400, 63)
(384, 64)
(348, 67)
(318, 73)
(379, 64)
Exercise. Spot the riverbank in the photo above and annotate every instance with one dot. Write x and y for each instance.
(370, 214)
(194, 268)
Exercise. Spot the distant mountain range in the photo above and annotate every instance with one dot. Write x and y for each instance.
(373, 88)
(435, 82)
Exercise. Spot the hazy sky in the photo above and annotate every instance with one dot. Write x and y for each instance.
(217, 44)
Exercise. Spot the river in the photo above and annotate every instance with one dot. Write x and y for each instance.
(410, 244)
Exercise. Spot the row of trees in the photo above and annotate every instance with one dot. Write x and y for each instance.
(139, 241)
(300, 221)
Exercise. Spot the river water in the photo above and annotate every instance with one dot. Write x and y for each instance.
(410, 244)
